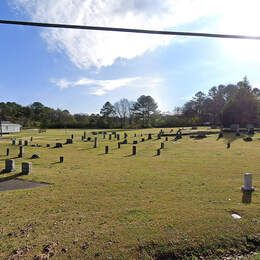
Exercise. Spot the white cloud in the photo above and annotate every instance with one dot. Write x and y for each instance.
(101, 87)
(97, 49)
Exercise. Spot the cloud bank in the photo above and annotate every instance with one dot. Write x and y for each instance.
(101, 87)
(98, 49)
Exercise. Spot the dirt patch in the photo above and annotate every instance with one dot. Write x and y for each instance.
(19, 184)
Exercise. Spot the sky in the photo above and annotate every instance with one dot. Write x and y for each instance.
(81, 70)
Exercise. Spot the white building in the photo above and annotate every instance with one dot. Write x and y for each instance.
(7, 127)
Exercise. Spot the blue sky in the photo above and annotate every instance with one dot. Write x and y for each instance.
(80, 71)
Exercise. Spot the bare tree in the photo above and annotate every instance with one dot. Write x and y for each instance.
(122, 109)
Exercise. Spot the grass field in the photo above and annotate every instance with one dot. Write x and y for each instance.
(118, 206)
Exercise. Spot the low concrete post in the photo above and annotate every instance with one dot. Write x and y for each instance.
(95, 143)
(21, 152)
(9, 165)
(248, 181)
(7, 151)
(61, 159)
(106, 149)
(26, 168)
(162, 145)
(134, 150)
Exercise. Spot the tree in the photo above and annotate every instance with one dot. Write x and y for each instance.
(122, 109)
(145, 108)
(107, 112)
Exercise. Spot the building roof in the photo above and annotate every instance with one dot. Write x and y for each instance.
(7, 123)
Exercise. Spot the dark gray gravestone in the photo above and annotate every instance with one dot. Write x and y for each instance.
(69, 141)
(84, 135)
(125, 135)
(118, 145)
(58, 145)
(118, 137)
(142, 140)
(166, 138)
(21, 152)
(26, 143)
(104, 136)
(135, 142)
(13, 142)
(7, 151)
(159, 136)
(47, 145)
(31, 138)
(158, 152)
(110, 137)
(26, 168)
(9, 165)
(162, 145)
(134, 150)
(95, 142)
(61, 159)
(20, 142)
(72, 136)
(106, 149)
(149, 136)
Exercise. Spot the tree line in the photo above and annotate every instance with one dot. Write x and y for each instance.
(223, 105)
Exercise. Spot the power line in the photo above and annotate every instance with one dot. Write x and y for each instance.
(130, 30)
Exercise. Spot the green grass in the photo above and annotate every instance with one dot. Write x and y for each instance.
(125, 206)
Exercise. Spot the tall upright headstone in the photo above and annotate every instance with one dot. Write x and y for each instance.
(95, 142)
(26, 168)
(134, 150)
(106, 149)
(9, 165)
(21, 152)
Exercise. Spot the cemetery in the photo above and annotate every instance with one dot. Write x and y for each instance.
(120, 194)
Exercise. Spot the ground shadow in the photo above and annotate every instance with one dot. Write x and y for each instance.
(10, 177)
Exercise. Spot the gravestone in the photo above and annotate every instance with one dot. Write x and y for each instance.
(135, 142)
(141, 135)
(134, 135)
(7, 151)
(110, 137)
(248, 181)
(21, 152)
(104, 136)
(106, 149)
(9, 165)
(61, 159)
(159, 136)
(13, 142)
(118, 145)
(25, 142)
(125, 135)
(26, 168)
(58, 145)
(31, 139)
(149, 136)
(84, 135)
(35, 156)
(124, 142)
(69, 141)
(134, 150)
(82, 138)
(72, 136)
(20, 142)
(162, 145)
(228, 145)
(158, 152)
(89, 139)
(95, 142)
(166, 138)
(47, 145)
(142, 140)
(118, 137)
